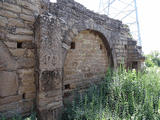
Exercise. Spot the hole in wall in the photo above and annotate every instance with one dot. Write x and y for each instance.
(125, 46)
(73, 45)
(24, 96)
(101, 47)
(19, 44)
(67, 86)
(42, 7)
(134, 65)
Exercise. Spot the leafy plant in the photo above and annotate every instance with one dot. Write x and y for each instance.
(153, 59)
(123, 95)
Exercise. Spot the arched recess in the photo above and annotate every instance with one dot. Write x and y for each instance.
(86, 61)
(106, 34)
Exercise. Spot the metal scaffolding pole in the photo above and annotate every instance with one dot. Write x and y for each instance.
(124, 10)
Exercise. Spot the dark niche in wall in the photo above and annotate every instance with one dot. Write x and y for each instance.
(19, 44)
(73, 45)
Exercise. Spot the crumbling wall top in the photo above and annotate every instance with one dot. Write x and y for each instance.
(71, 9)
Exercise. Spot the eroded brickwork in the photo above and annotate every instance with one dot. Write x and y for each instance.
(17, 81)
(47, 50)
(86, 61)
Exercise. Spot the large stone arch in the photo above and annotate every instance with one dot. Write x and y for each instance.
(101, 56)
(76, 28)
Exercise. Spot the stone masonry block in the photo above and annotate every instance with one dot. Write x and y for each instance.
(3, 21)
(29, 6)
(24, 31)
(8, 14)
(15, 22)
(25, 62)
(10, 99)
(20, 38)
(17, 52)
(11, 44)
(29, 18)
(9, 83)
(26, 75)
(11, 7)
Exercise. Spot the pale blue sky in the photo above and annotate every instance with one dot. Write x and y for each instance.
(149, 19)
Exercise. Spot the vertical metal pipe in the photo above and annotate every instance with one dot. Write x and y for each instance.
(137, 21)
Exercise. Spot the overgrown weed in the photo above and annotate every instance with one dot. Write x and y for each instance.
(123, 95)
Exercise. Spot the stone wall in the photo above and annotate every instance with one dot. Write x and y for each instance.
(17, 82)
(86, 62)
(79, 45)
(42, 46)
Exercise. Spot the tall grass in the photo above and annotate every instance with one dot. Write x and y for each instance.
(123, 95)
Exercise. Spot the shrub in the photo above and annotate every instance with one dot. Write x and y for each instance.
(125, 95)
(153, 59)
(19, 117)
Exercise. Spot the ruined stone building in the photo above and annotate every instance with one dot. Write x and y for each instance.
(49, 49)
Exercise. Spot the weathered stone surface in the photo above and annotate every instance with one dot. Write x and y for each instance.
(16, 35)
(11, 44)
(30, 53)
(9, 107)
(11, 7)
(10, 99)
(8, 14)
(24, 31)
(20, 38)
(28, 83)
(87, 60)
(26, 75)
(25, 62)
(3, 22)
(65, 41)
(27, 89)
(50, 80)
(9, 83)
(17, 52)
(26, 11)
(6, 61)
(15, 22)
(29, 6)
(20, 107)
(27, 17)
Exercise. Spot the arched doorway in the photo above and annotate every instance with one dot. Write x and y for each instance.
(86, 62)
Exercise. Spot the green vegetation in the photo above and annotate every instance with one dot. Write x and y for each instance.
(121, 96)
(19, 117)
(153, 59)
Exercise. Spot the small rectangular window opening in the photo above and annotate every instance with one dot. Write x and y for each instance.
(134, 65)
(73, 45)
(101, 47)
(19, 44)
(67, 86)
(125, 46)
(24, 96)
